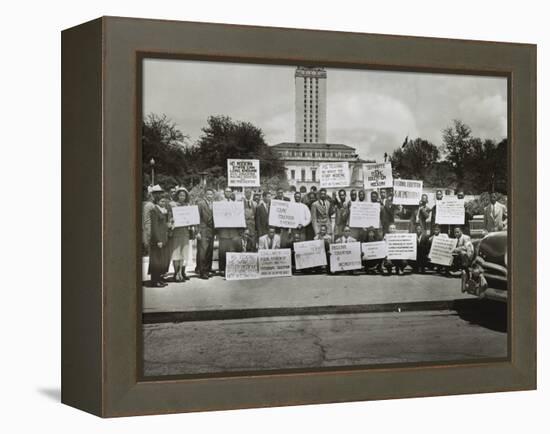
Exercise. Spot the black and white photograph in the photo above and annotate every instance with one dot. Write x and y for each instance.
(299, 218)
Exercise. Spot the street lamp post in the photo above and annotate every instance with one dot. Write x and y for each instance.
(152, 163)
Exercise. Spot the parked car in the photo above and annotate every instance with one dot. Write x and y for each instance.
(490, 268)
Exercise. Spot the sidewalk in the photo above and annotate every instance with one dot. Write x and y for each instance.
(217, 298)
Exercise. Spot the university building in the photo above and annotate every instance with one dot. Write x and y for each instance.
(302, 157)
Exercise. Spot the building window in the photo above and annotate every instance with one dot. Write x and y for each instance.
(323, 154)
(313, 174)
(292, 174)
(303, 154)
(303, 175)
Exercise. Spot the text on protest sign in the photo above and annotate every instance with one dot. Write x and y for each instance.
(185, 215)
(334, 174)
(241, 266)
(377, 175)
(374, 250)
(228, 214)
(243, 173)
(275, 263)
(364, 215)
(345, 256)
(407, 191)
(450, 211)
(283, 214)
(441, 252)
(401, 246)
(309, 254)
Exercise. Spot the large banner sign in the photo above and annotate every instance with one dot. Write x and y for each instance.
(241, 266)
(441, 252)
(310, 254)
(243, 173)
(228, 214)
(334, 174)
(377, 175)
(345, 256)
(364, 215)
(185, 215)
(450, 211)
(374, 250)
(407, 191)
(283, 214)
(401, 246)
(275, 263)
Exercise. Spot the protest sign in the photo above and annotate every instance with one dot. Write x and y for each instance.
(450, 211)
(310, 254)
(241, 266)
(334, 174)
(374, 250)
(377, 175)
(441, 250)
(407, 191)
(283, 214)
(243, 173)
(364, 215)
(274, 263)
(228, 214)
(185, 215)
(345, 256)
(401, 246)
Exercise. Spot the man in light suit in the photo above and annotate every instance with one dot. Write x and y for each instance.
(250, 214)
(321, 213)
(229, 238)
(346, 236)
(495, 215)
(270, 240)
(463, 252)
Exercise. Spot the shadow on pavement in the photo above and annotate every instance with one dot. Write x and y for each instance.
(485, 313)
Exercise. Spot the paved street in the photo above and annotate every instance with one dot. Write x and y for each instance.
(297, 342)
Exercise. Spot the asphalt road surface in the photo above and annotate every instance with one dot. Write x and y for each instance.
(305, 342)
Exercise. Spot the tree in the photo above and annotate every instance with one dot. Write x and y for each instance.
(414, 159)
(457, 147)
(224, 138)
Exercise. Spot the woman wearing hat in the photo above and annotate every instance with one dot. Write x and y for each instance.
(180, 238)
(158, 240)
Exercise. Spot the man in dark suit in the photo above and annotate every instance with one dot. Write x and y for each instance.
(422, 250)
(229, 238)
(321, 213)
(205, 235)
(262, 215)
(250, 214)
(387, 213)
(248, 243)
(444, 229)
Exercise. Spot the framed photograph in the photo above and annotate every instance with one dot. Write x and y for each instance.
(259, 216)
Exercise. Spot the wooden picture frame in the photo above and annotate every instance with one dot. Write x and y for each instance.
(100, 189)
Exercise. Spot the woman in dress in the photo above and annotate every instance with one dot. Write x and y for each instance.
(158, 240)
(180, 238)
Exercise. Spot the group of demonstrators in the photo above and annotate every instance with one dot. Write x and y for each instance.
(299, 227)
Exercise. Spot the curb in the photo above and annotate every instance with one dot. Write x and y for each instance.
(216, 315)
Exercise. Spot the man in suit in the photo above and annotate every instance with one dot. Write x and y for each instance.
(444, 229)
(284, 233)
(467, 215)
(387, 214)
(495, 215)
(346, 236)
(250, 214)
(205, 235)
(327, 238)
(270, 240)
(248, 243)
(229, 238)
(321, 213)
(262, 215)
(304, 218)
(463, 252)
(422, 250)
(280, 195)
(420, 215)
(342, 212)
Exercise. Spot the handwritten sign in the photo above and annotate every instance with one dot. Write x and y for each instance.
(401, 246)
(374, 250)
(364, 215)
(441, 252)
(377, 175)
(228, 214)
(243, 173)
(345, 256)
(185, 215)
(241, 266)
(407, 191)
(310, 254)
(450, 211)
(334, 174)
(283, 214)
(275, 263)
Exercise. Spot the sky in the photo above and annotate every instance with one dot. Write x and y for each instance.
(372, 111)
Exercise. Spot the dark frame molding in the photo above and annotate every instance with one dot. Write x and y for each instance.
(101, 319)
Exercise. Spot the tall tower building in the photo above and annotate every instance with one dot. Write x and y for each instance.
(311, 105)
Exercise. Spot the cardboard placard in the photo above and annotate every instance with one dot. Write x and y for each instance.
(364, 215)
(374, 250)
(401, 246)
(450, 211)
(345, 256)
(243, 173)
(310, 254)
(283, 214)
(241, 266)
(275, 263)
(185, 215)
(377, 175)
(407, 191)
(334, 174)
(441, 252)
(228, 214)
